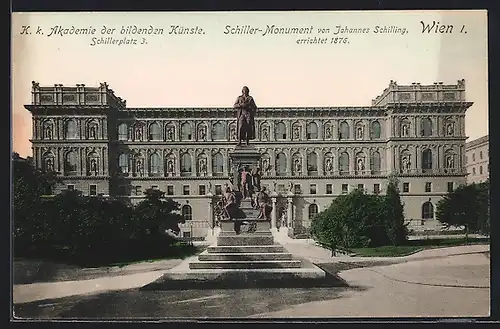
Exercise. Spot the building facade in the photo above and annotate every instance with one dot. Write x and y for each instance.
(477, 160)
(309, 155)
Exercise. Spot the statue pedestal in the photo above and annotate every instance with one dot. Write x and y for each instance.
(246, 155)
(229, 227)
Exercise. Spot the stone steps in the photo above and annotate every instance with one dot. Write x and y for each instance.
(245, 249)
(256, 264)
(206, 256)
(304, 277)
(245, 240)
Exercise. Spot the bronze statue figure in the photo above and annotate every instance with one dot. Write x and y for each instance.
(245, 115)
(264, 204)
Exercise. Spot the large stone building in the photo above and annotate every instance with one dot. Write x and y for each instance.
(310, 155)
(477, 160)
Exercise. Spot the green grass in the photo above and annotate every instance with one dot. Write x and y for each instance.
(414, 246)
(109, 257)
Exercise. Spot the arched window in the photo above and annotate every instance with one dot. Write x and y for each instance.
(187, 212)
(344, 163)
(169, 132)
(122, 132)
(360, 131)
(154, 132)
(154, 164)
(296, 131)
(344, 130)
(312, 164)
(280, 131)
(218, 164)
(49, 162)
(404, 128)
(427, 210)
(70, 162)
(376, 130)
(232, 131)
(426, 128)
(186, 164)
(313, 210)
(218, 131)
(92, 164)
(48, 130)
(427, 159)
(123, 163)
(92, 130)
(375, 162)
(71, 129)
(312, 130)
(473, 171)
(281, 164)
(264, 132)
(186, 132)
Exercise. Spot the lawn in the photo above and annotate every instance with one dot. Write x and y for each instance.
(414, 246)
(111, 256)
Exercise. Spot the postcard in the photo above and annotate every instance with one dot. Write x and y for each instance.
(232, 165)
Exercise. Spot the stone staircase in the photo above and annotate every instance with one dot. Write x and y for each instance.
(246, 251)
(243, 260)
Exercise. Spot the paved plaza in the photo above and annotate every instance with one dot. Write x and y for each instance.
(445, 282)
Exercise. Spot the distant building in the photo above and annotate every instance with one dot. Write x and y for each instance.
(478, 160)
(310, 155)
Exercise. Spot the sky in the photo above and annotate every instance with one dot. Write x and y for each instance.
(209, 69)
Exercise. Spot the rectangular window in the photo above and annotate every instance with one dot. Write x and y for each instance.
(428, 187)
(218, 190)
(329, 189)
(202, 190)
(186, 234)
(376, 188)
(154, 187)
(185, 190)
(406, 187)
(138, 190)
(281, 188)
(170, 190)
(361, 186)
(450, 186)
(92, 190)
(345, 188)
(297, 189)
(312, 189)
(71, 187)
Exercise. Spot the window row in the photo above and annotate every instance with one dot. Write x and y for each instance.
(155, 166)
(480, 171)
(426, 128)
(474, 156)
(427, 210)
(427, 160)
(71, 165)
(70, 130)
(221, 132)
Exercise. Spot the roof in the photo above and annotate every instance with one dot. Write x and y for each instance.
(477, 142)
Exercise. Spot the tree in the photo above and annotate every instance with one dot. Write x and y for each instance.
(483, 203)
(352, 220)
(157, 214)
(393, 211)
(467, 206)
(29, 185)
